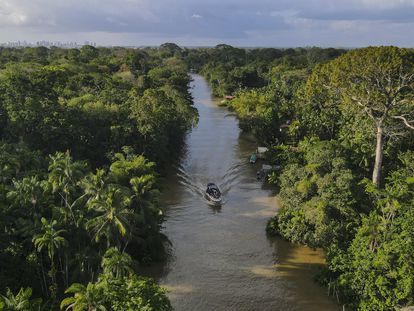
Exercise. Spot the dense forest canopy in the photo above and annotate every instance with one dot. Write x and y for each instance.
(84, 135)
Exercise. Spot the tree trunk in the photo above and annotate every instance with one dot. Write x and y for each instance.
(43, 274)
(379, 153)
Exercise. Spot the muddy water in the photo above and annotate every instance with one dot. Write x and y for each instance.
(221, 258)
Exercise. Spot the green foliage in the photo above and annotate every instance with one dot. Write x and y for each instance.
(365, 230)
(19, 302)
(88, 297)
(160, 119)
(266, 111)
(369, 255)
(318, 205)
(116, 263)
(117, 289)
(135, 293)
(318, 112)
(66, 209)
(85, 102)
(117, 294)
(49, 239)
(326, 149)
(72, 195)
(91, 208)
(112, 217)
(380, 258)
(373, 86)
(229, 69)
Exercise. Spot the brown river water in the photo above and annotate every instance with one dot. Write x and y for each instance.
(221, 258)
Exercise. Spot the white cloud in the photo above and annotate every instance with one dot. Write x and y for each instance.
(11, 15)
(196, 16)
(292, 18)
(388, 4)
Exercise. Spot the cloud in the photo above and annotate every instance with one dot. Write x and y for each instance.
(9, 15)
(387, 4)
(241, 22)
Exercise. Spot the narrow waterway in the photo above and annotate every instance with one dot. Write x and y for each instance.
(221, 258)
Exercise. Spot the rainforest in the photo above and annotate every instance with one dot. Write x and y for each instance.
(105, 154)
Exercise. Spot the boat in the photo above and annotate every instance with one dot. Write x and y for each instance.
(213, 194)
(253, 158)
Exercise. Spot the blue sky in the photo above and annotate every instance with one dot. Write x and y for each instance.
(278, 23)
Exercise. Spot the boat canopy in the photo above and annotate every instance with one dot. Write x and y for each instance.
(211, 186)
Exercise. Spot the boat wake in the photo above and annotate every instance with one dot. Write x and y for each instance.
(196, 184)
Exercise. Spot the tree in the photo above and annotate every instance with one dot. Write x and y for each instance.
(380, 259)
(85, 298)
(50, 239)
(379, 83)
(127, 165)
(134, 293)
(26, 192)
(117, 294)
(113, 219)
(19, 302)
(116, 263)
(94, 185)
(64, 175)
(318, 199)
(169, 49)
(88, 53)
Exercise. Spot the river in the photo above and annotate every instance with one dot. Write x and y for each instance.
(221, 258)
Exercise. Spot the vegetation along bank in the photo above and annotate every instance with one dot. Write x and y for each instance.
(84, 136)
(340, 125)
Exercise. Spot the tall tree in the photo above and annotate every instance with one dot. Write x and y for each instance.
(114, 217)
(379, 83)
(64, 176)
(51, 239)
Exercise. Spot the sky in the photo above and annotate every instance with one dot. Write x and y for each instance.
(276, 23)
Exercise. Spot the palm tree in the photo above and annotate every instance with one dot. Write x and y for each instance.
(94, 185)
(127, 165)
(149, 215)
(113, 221)
(144, 188)
(116, 263)
(50, 239)
(19, 302)
(85, 298)
(64, 176)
